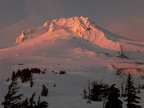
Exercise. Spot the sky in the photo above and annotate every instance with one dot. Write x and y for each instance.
(123, 17)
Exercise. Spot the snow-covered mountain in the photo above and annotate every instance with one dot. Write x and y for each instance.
(82, 27)
(77, 45)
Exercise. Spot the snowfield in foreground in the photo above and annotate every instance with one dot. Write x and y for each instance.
(84, 50)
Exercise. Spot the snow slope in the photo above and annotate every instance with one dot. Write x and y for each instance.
(84, 28)
(84, 50)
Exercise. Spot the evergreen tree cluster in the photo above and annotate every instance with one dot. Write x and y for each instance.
(101, 91)
(26, 74)
(12, 100)
(131, 98)
(62, 72)
(113, 101)
(98, 91)
(44, 90)
(31, 103)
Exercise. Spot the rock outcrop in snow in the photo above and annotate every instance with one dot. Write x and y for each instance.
(20, 38)
(84, 28)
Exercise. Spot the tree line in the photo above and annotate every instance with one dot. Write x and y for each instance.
(13, 100)
(110, 94)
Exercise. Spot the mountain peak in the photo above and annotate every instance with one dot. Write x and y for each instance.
(21, 37)
(80, 27)
(75, 24)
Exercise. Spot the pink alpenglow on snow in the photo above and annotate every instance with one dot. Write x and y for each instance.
(79, 47)
(84, 28)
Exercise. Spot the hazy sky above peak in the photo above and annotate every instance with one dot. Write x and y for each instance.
(123, 17)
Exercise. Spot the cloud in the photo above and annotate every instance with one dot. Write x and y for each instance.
(131, 27)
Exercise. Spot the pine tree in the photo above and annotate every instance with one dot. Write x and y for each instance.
(44, 91)
(13, 75)
(32, 101)
(84, 94)
(131, 94)
(11, 100)
(138, 88)
(31, 83)
(98, 91)
(113, 101)
(25, 103)
(42, 104)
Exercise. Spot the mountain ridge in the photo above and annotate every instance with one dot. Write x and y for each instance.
(79, 24)
(84, 28)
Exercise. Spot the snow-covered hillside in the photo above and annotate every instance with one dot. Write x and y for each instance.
(77, 45)
(82, 27)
